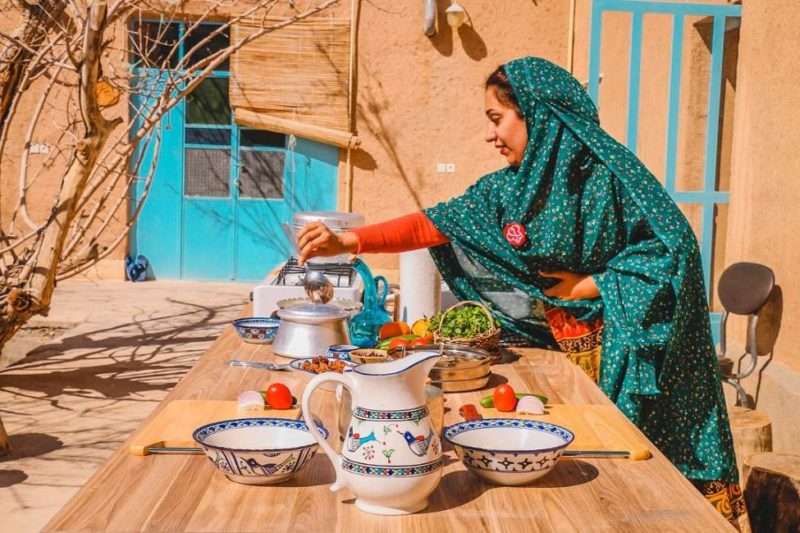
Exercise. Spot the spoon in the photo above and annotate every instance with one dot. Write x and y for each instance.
(258, 364)
(318, 287)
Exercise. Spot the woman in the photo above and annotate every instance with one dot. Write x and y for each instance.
(576, 244)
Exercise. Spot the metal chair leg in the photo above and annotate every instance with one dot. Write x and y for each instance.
(741, 394)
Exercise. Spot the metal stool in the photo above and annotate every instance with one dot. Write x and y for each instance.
(743, 289)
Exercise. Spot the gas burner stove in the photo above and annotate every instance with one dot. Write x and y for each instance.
(287, 282)
(339, 274)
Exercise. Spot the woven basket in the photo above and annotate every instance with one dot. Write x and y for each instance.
(487, 340)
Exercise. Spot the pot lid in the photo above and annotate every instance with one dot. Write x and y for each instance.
(317, 311)
(335, 220)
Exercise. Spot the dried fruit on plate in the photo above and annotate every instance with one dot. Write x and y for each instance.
(321, 364)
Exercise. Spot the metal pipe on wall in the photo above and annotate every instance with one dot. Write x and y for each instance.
(571, 37)
(430, 18)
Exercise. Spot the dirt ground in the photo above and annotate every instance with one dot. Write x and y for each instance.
(108, 354)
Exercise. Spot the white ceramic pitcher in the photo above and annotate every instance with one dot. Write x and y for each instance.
(392, 456)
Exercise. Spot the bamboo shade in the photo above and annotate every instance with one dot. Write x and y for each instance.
(298, 75)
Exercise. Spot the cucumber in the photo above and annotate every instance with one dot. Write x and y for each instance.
(384, 344)
(488, 401)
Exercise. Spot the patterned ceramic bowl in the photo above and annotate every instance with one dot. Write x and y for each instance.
(257, 330)
(508, 451)
(258, 451)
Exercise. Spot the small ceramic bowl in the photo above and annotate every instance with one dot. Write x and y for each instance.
(297, 365)
(340, 351)
(508, 451)
(257, 330)
(258, 451)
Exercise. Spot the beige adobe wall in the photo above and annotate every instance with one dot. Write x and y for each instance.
(43, 120)
(420, 99)
(764, 214)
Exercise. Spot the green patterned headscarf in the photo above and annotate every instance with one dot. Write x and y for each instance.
(590, 206)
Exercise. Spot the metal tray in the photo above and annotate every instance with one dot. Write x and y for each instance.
(462, 385)
(458, 362)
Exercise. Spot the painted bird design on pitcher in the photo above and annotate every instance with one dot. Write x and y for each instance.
(355, 440)
(418, 444)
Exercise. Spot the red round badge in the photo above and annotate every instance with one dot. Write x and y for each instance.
(515, 234)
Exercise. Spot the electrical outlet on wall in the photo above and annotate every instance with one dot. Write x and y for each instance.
(441, 168)
(39, 148)
(450, 168)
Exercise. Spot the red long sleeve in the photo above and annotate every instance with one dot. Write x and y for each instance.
(410, 232)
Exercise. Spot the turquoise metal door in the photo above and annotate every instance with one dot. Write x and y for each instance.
(708, 197)
(220, 192)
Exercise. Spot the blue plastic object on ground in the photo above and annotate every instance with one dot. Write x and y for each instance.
(136, 270)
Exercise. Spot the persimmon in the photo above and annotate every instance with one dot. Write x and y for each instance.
(393, 329)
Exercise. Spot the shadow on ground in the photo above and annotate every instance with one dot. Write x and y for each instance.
(137, 356)
(31, 445)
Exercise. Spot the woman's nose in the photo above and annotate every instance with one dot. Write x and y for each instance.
(491, 134)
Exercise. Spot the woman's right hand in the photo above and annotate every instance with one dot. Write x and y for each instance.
(316, 239)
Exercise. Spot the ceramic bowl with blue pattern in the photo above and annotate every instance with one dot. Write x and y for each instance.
(257, 330)
(508, 451)
(258, 451)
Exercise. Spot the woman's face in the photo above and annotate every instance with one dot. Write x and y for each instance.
(506, 130)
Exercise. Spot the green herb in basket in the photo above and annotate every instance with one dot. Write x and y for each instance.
(464, 322)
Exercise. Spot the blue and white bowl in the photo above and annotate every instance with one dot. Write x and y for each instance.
(258, 451)
(508, 451)
(257, 330)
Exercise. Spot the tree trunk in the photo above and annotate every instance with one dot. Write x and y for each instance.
(3, 440)
(41, 267)
(38, 21)
(772, 492)
(752, 433)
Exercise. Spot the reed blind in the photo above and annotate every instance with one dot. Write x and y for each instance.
(294, 79)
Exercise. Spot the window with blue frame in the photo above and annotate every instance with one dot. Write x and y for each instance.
(221, 159)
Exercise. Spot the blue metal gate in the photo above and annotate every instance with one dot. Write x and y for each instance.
(708, 197)
(220, 191)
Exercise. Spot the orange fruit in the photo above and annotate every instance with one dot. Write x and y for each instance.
(393, 329)
(421, 327)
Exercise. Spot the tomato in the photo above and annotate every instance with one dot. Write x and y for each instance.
(422, 341)
(279, 396)
(428, 338)
(397, 343)
(504, 398)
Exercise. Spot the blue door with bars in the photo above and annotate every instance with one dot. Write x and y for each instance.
(709, 195)
(219, 191)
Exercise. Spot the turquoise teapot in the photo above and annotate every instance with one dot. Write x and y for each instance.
(364, 326)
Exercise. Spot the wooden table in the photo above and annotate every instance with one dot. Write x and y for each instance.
(186, 493)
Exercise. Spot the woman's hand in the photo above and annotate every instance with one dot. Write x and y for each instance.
(572, 286)
(315, 239)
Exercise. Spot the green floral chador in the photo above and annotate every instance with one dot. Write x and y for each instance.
(588, 205)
